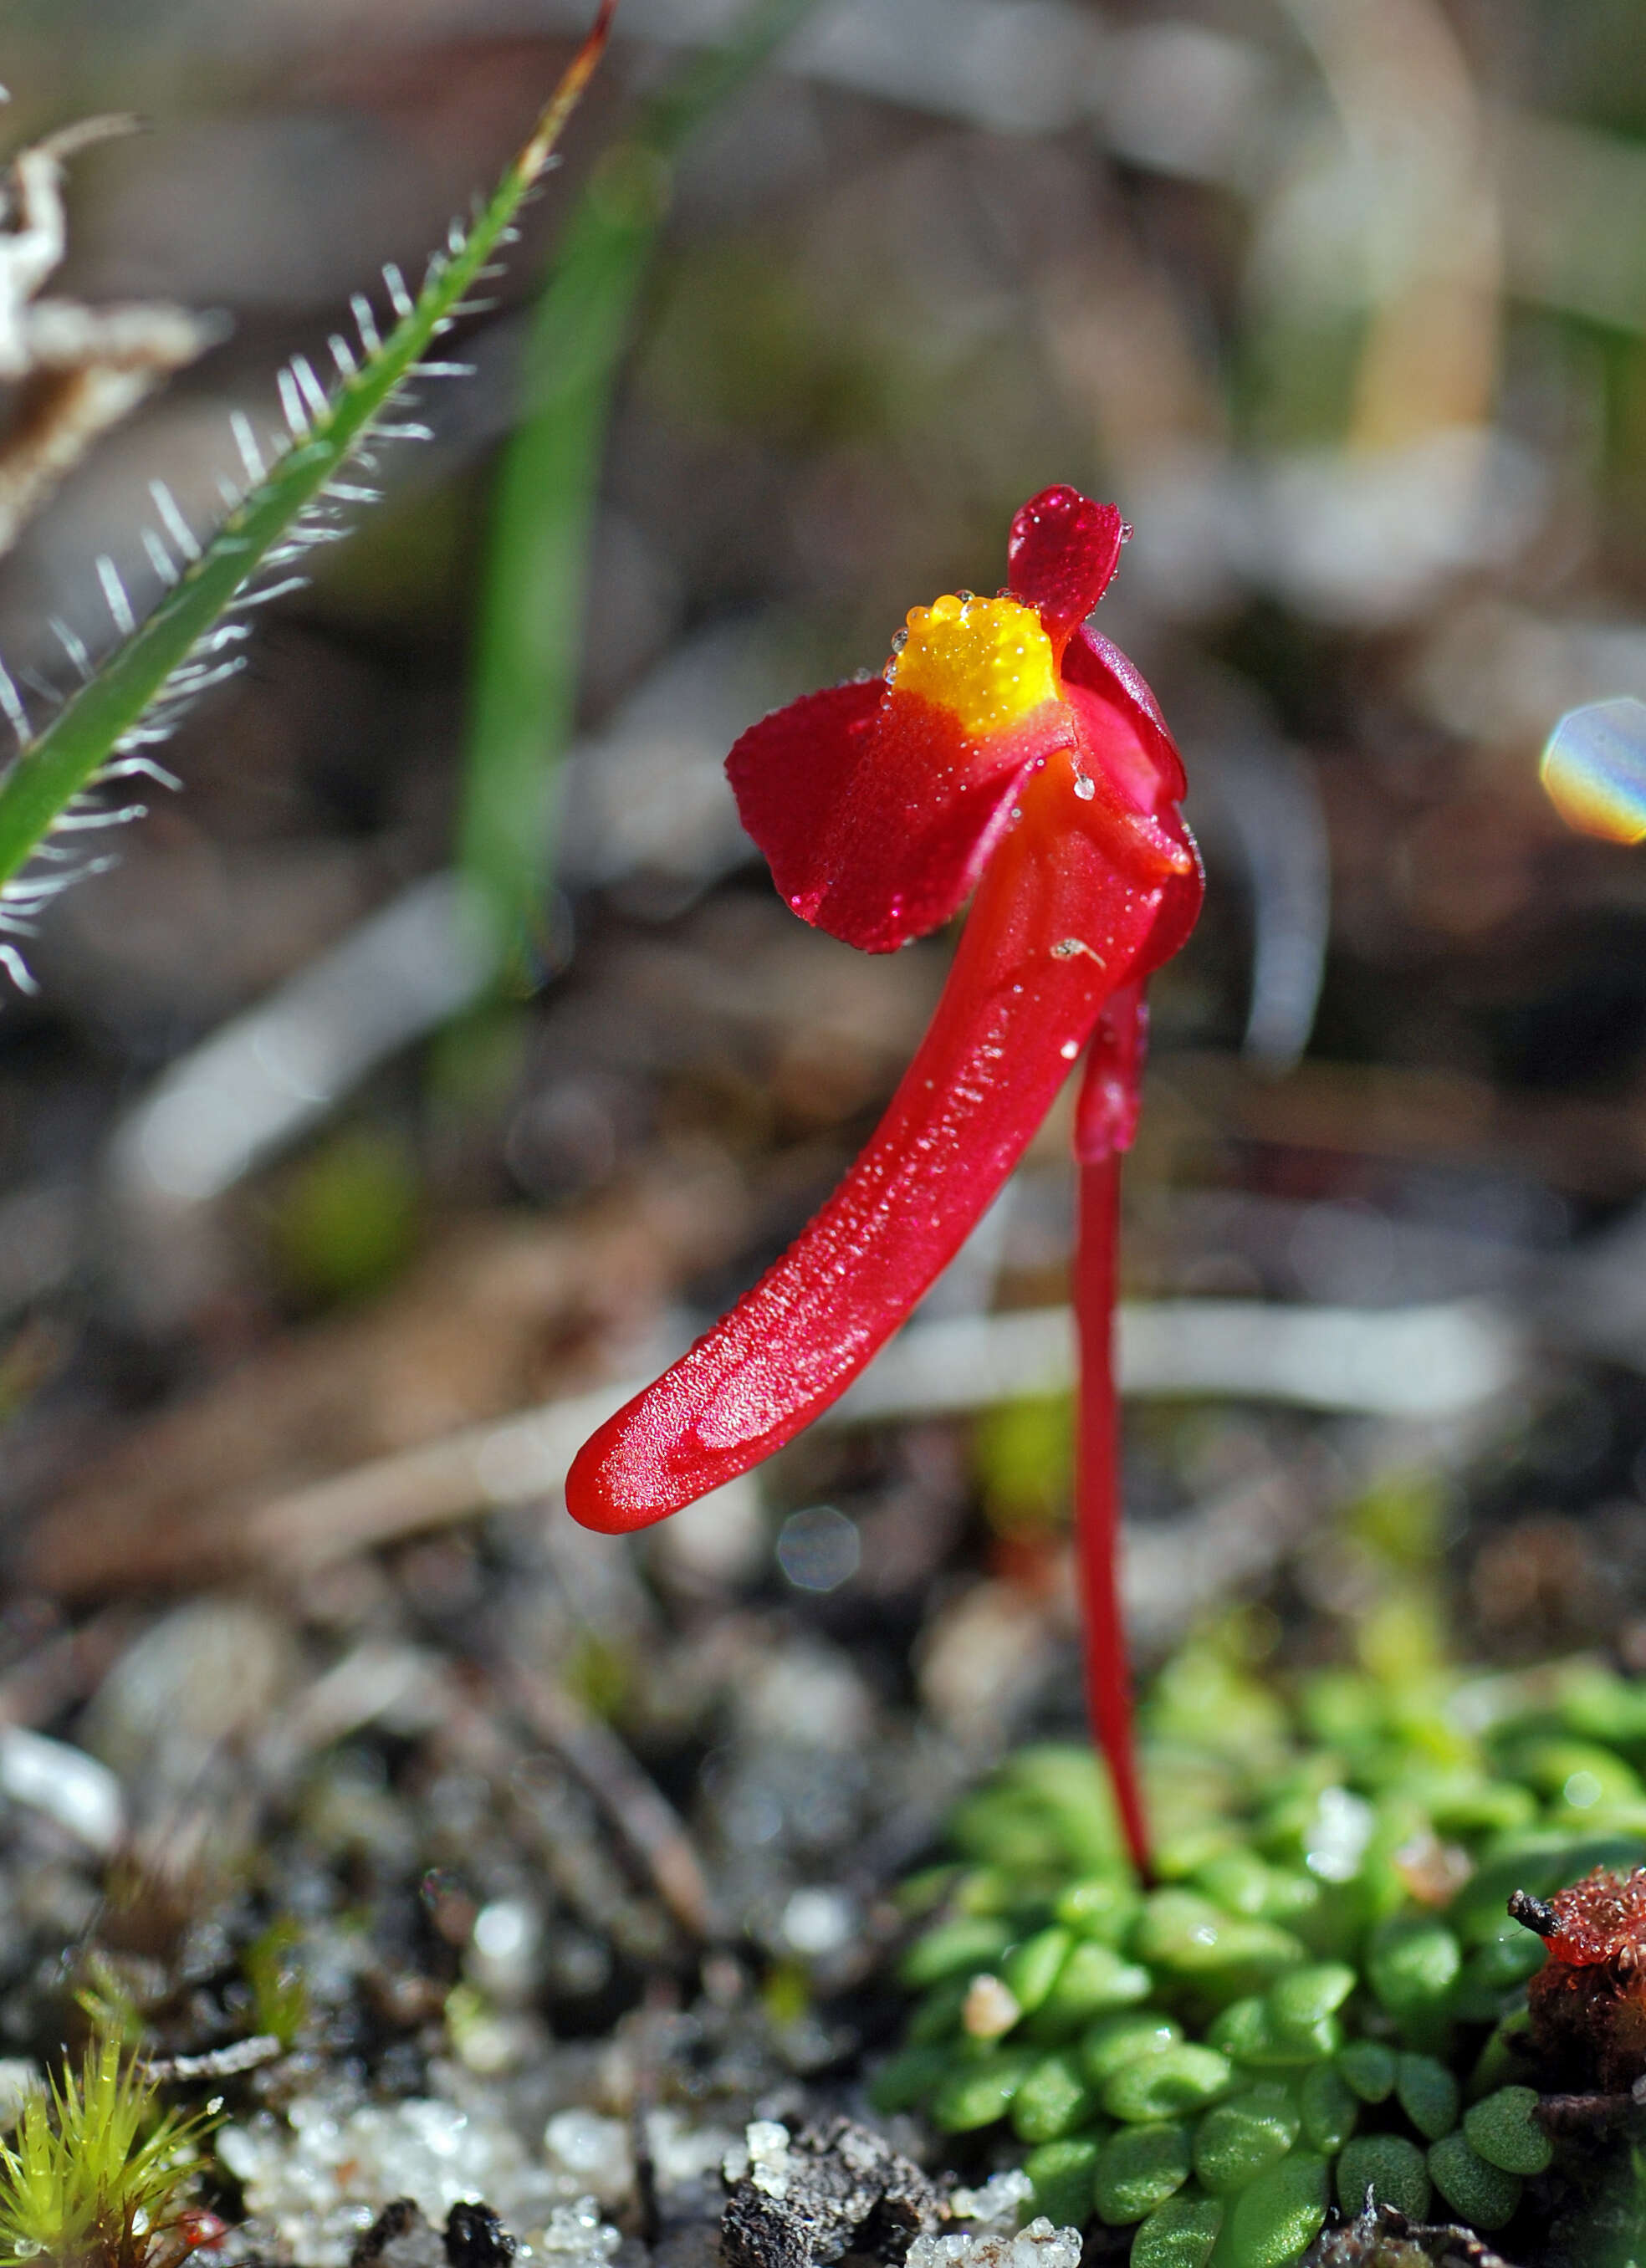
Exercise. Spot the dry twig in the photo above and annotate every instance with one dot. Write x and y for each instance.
(76, 370)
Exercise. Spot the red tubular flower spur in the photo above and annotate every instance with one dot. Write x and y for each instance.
(1007, 751)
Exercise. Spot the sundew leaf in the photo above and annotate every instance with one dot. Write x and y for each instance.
(133, 699)
(531, 614)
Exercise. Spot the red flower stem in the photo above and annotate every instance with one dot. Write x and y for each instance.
(1097, 1501)
(1105, 1121)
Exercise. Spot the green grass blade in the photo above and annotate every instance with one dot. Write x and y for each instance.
(140, 677)
(531, 615)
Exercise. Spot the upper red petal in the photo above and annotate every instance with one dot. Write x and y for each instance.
(1097, 666)
(1061, 553)
(875, 811)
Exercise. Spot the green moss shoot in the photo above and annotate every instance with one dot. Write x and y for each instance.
(93, 2176)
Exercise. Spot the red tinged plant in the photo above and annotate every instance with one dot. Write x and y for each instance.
(1587, 2004)
(1009, 753)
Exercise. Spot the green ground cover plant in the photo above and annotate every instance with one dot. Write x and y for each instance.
(1321, 1998)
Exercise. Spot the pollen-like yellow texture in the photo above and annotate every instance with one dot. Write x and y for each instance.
(987, 659)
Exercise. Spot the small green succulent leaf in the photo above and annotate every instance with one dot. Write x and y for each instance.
(1503, 2130)
(1182, 2232)
(977, 2094)
(1390, 2168)
(1139, 2168)
(1115, 2041)
(1273, 2222)
(1177, 2081)
(1483, 2194)
(1427, 2094)
(1062, 2175)
(1053, 2099)
(1243, 2138)
(1329, 2106)
(1370, 2069)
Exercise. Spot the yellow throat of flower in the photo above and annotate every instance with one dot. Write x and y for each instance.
(988, 660)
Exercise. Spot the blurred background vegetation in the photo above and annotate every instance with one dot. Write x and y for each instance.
(1344, 300)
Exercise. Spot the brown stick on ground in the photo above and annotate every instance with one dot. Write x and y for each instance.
(643, 1817)
(250, 1480)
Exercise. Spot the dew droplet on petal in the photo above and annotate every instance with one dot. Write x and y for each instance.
(1594, 770)
(1069, 1049)
(1084, 788)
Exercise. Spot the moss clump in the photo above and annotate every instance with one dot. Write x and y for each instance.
(279, 1988)
(1322, 1994)
(93, 2176)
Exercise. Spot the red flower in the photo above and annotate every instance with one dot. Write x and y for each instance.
(1006, 749)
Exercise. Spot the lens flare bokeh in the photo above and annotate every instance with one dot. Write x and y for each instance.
(1594, 769)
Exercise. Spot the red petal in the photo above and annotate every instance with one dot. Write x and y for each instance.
(790, 774)
(926, 811)
(1111, 1087)
(1061, 553)
(1092, 663)
(1053, 931)
(876, 813)
(1179, 907)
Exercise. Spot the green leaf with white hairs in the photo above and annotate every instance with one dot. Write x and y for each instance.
(132, 701)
